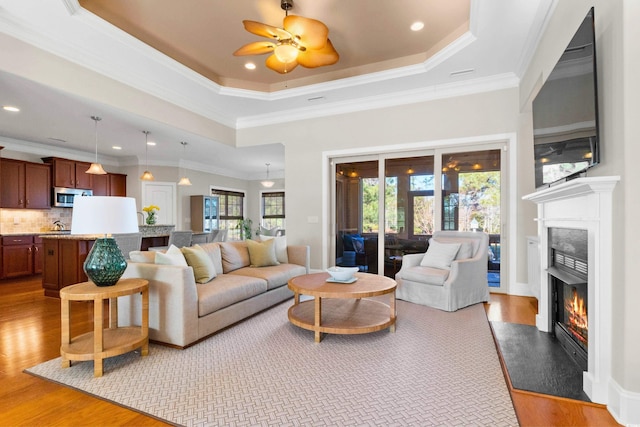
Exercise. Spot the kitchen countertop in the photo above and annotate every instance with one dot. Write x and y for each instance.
(159, 230)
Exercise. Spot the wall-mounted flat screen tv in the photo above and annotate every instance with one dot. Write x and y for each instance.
(565, 113)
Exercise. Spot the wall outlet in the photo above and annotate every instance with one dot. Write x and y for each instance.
(16, 220)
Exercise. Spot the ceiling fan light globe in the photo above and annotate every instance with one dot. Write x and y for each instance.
(286, 53)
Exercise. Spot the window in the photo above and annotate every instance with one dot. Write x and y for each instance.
(273, 209)
(231, 211)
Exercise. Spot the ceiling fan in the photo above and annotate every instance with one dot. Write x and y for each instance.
(301, 41)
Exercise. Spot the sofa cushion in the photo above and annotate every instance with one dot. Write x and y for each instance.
(226, 290)
(213, 249)
(235, 255)
(275, 275)
(262, 253)
(200, 262)
(173, 256)
(142, 256)
(440, 255)
(426, 275)
(281, 247)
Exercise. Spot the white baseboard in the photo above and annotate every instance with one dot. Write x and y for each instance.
(520, 289)
(624, 405)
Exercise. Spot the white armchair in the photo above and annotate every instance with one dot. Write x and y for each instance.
(428, 281)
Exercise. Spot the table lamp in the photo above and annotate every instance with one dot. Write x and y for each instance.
(104, 215)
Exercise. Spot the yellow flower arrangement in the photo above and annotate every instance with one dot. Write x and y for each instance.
(151, 208)
(151, 214)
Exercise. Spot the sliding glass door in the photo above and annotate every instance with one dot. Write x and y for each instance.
(377, 225)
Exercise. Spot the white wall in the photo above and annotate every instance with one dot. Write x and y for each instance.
(419, 125)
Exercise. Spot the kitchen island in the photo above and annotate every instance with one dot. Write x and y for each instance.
(64, 255)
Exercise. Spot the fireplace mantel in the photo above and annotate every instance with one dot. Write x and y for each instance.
(578, 187)
(583, 203)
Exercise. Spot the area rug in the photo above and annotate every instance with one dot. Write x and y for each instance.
(537, 362)
(438, 368)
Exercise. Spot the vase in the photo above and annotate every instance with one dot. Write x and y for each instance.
(151, 218)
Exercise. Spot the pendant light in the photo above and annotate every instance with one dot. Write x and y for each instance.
(96, 168)
(146, 176)
(267, 183)
(184, 180)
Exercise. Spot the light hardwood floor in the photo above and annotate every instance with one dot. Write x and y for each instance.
(30, 334)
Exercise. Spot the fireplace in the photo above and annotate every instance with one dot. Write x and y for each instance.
(568, 281)
(584, 204)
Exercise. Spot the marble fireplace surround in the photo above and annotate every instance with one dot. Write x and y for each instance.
(583, 203)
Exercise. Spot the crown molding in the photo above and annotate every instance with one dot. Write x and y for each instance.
(448, 90)
(44, 150)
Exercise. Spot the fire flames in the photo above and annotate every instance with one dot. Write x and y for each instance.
(577, 321)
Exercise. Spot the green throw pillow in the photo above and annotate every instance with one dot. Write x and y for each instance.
(203, 269)
(262, 254)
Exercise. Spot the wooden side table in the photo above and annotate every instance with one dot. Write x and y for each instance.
(103, 343)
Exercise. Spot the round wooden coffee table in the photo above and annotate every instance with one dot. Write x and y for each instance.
(339, 308)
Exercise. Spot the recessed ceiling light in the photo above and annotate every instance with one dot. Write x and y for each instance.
(11, 108)
(250, 66)
(117, 147)
(417, 26)
(151, 143)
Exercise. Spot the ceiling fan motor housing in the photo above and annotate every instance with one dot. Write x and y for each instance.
(286, 4)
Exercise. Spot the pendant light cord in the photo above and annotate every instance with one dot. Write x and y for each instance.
(96, 119)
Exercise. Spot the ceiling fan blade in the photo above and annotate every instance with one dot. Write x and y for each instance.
(311, 33)
(255, 48)
(281, 67)
(264, 30)
(312, 58)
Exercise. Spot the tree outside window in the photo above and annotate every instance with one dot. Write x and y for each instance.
(273, 214)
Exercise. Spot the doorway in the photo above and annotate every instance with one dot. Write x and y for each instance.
(163, 195)
(387, 206)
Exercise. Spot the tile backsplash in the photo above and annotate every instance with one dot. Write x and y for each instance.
(33, 220)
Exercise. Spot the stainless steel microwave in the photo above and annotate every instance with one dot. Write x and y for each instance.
(63, 197)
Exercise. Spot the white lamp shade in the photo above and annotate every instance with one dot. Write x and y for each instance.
(104, 215)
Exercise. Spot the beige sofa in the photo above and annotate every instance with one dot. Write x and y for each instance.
(182, 311)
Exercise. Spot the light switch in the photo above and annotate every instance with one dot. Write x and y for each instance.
(312, 219)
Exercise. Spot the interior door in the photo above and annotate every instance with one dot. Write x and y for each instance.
(163, 195)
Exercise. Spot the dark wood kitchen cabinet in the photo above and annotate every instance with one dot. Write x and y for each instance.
(63, 263)
(117, 184)
(69, 173)
(111, 184)
(25, 185)
(21, 256)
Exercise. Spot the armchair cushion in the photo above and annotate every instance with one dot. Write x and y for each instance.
(427, 275)
(440, 255)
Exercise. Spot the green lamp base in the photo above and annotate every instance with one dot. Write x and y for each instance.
(105, 264)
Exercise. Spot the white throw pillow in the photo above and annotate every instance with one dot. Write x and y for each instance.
(440, 255)
(142, 256)
(281, 247)
(173, 256)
